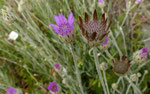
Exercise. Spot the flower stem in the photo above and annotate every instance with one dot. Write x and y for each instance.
(76, 69)
(128, 89)
(105, 79)
(98, 69)
(133, 85)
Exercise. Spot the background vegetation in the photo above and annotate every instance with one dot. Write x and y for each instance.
(27, 63)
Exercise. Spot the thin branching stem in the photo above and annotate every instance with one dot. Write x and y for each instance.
(76, 69)
(133, 85)
(106, 84)
(98, 69)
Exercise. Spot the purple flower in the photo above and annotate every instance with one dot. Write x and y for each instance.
(100, 1)
(105, 42)
(144, 52)
(11, 91)
(138, 1)
(53, 87)
(64, 27)
(57, 66)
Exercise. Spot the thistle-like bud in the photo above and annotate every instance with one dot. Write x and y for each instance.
(103, 66)
(105, 45)
(121, 66)
(138, 1)
(114, 86)
(94, 32)
(134, 77)
(101, 3)
(140, 56)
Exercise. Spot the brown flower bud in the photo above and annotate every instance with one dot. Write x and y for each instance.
(121, 66)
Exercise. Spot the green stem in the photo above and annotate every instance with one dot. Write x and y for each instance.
(76, 69)
(106, 82)
(133, 85)
(128, 89)
(98, 69)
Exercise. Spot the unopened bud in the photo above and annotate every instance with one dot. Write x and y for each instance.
(103, 66)
(139, 74)
(114, 85)
(134, 77)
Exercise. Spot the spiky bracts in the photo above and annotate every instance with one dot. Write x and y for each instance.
(94, 32)
(121, 66)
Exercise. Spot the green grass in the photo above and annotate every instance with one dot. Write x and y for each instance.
(27, 63)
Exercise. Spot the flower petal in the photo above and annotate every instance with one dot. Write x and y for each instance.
(55, 27)
(62, 19)
(71, 18)
(57, 19)
(105, 42)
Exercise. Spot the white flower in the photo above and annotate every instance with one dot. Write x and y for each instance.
(13, 35)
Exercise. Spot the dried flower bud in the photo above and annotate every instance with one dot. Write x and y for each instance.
(94, 32)
(140, 56)
(103, 66)
(134, 77)
(121, 66)
(114, 85)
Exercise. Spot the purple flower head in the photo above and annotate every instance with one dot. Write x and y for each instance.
(138, 1)
(53, 87)
(144, 52)
(64, 27)
(11, 91)
(100, 1)
(105, 42)
(57, 66)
